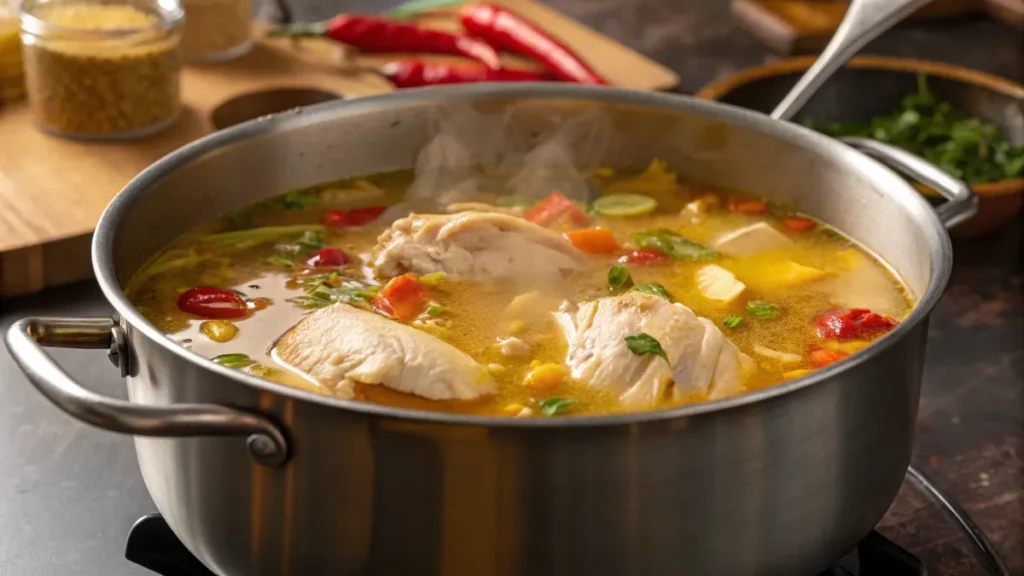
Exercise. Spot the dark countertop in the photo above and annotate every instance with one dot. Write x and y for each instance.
(69, 493)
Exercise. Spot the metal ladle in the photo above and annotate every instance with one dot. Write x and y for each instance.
(864, 21)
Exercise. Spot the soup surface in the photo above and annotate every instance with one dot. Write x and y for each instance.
(657, 292)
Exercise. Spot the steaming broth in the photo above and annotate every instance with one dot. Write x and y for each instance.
(775, 320)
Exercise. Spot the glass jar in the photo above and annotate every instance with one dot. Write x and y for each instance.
(96, 69)
(12, 78)
(216, 30)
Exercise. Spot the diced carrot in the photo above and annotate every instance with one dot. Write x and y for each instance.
(752, 207)
(556, 206)
(822, 357)
(403, 298)
(593, 241)
(798, 224)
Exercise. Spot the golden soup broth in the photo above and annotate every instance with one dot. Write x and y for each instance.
(475, 314)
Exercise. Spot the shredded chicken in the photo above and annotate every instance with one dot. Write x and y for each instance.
(700, 358)
(339, 346)
(472, 246)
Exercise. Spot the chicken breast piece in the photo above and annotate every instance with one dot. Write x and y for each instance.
(472, 246)
(700, 358)
(339, 346)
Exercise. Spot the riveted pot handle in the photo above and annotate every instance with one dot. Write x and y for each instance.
(962, 201)
(26, 339)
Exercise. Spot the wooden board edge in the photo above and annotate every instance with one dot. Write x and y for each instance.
(34, 268)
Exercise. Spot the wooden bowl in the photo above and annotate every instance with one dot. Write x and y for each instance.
(870, 86)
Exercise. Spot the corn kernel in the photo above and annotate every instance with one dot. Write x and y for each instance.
(512, 409)
(545, 377)
(794, 374)
(218, 330)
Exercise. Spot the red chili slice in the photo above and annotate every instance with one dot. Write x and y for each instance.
(556, 206)
(354, 217)
(327, 257)
(852, 324)
(642, 256)
(214, 303)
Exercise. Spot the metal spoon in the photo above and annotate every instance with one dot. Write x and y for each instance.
(864, 21)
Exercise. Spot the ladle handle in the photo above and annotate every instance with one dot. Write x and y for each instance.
(865, 20)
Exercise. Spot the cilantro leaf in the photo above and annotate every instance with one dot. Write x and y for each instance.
(643, 343)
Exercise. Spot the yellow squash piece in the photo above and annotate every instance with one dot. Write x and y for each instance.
(775, 275)
(717, 283)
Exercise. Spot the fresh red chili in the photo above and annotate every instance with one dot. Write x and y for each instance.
(374, 35)
(642, 256)
(326, 257)
(215, 303)
(411, 73)
(852, 324)
(508, 31)
(354, 217)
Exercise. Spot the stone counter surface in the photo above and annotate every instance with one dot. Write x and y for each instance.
(69, 494)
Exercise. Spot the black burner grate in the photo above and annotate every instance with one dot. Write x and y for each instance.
(152, 545)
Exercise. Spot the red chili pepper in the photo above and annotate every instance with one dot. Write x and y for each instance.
(556, 206)
(374, 35)
(642, 256)
(326, 257)
(508, 31)
(350, 218)
(852, 324)
(410, 73)
(213, 303)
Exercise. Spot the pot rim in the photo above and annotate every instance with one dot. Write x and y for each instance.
(940, 246)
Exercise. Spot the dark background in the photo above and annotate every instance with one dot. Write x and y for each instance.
(69, 494)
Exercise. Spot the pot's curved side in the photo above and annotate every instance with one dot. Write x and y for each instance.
(782, 480)
(782, 486)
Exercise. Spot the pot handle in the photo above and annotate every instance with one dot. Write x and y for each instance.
(962, 201)
(26, 339)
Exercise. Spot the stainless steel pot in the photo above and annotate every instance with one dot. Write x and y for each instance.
(779, 481)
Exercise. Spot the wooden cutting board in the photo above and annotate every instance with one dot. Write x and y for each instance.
(52, 190)
(803, 26)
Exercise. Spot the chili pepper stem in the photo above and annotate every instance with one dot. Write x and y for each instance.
(315, 30)
(417, 7)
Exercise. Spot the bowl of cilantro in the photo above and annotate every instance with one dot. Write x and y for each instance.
(969, 123)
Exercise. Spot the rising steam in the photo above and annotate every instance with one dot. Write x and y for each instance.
(532, 152)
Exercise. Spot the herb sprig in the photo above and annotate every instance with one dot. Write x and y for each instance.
(964, 146)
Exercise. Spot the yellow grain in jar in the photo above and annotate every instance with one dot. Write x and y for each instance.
(102, 71)
(12, 79)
